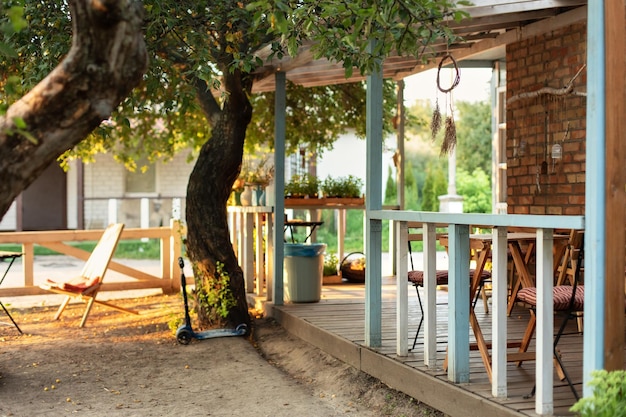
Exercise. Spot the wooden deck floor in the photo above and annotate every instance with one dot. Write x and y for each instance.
(336, 325)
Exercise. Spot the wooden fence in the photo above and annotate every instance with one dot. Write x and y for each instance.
(58, 240)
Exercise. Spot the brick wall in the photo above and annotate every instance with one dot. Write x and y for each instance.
(537, 183)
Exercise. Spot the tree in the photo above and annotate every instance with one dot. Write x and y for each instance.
(199, 49)
(106, 60)
(474, 136)
(434, 186)
(391, 192)
(475, 189)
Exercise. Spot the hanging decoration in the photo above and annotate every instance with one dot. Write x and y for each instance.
(546, 117)
(435, 122)
(449, 138)
(568, 89)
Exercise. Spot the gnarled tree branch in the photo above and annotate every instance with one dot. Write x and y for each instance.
(106, 61)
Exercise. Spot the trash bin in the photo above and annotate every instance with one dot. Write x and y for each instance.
(303, 272)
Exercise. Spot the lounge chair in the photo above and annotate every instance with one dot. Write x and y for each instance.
(86, 286)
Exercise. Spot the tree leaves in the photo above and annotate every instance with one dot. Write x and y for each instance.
(342, 31)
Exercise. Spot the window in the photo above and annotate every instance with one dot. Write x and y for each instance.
(141, 182)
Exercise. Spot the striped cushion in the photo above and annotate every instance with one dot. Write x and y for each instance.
(561, 295)
(417, 277)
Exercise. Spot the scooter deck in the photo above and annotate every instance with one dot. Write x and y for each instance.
(209, 334)
(185, 332)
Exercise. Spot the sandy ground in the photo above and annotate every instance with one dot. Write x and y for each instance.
(127, 365)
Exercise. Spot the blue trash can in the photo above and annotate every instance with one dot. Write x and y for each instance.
(303, 272)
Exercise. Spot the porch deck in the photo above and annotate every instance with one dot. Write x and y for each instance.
(336, 325)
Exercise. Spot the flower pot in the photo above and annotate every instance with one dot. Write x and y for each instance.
(246, 196)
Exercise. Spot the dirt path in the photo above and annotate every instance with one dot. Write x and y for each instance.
(125, 365)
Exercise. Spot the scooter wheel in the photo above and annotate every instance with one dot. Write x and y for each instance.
(183, 336)
(242, 328)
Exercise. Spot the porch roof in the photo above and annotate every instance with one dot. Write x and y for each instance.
(492, 24)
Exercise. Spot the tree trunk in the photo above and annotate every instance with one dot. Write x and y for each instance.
(210, 185)
(106, 61)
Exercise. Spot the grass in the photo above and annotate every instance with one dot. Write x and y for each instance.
(126, 249)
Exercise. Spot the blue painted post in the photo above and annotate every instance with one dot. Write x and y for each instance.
(458, 303)
(595, 196)
(373, 201)
(279, 205)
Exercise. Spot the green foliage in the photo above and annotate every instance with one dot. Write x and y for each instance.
(435, 185)
(11, 22)
(342, 187)
(473, 131)
(302, 185)
(331, 264)
(188, 41)
(412, 186)
(391, 191)
(418, 119)
(214, 294)
(475, 189)
(343, 31)
(608, 398)
(316, 116)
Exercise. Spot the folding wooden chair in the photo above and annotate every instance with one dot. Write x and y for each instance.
(568, 302)
(86, 286)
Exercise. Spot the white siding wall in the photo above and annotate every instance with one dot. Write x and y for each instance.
(105, 179)
(9, 221)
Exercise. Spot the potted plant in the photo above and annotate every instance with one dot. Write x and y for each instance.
(302, 186)
(331, 269)
(255, 176)
(343, 187)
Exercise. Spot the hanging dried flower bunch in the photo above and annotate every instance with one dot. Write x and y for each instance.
(435, 122)
(449, 137)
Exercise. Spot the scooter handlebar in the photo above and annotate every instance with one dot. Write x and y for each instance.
(181, 263)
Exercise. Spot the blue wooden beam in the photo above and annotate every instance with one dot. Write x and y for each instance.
(458, 304)
(280, 105)
(595, 196)
(373, 201)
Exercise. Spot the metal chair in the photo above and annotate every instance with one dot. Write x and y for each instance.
(417, 279)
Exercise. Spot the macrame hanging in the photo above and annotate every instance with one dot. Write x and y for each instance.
(449, 138)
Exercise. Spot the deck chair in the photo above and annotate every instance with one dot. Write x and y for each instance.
(417, 279)
(86, 286)
(568, 302)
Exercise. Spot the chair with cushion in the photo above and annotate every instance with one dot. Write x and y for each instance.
(417, 279)
(86, 286)
(568, 302)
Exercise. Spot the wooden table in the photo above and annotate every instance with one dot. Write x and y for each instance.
(10, 257)
(482, 244)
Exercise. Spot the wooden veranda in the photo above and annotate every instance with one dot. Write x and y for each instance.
(336, 325)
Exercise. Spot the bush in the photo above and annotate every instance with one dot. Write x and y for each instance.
(609, 396)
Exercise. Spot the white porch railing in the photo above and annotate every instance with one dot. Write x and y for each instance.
(458, 319)
(254, 251)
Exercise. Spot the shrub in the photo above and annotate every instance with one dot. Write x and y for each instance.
(609, 395)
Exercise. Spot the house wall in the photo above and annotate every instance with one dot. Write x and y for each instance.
(9, 220)
(105, 180)
(537, 183)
